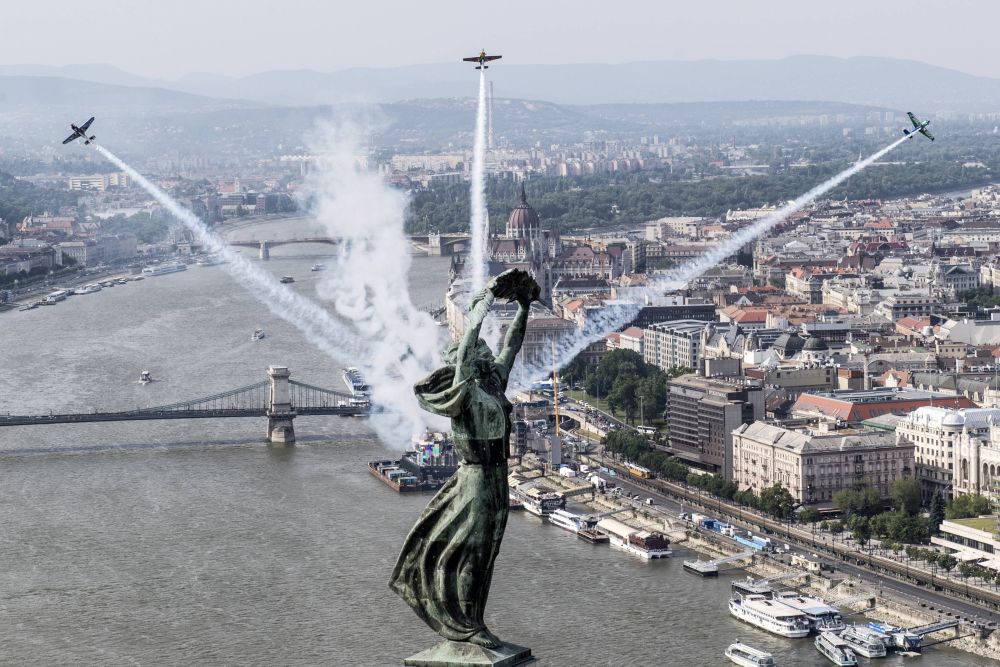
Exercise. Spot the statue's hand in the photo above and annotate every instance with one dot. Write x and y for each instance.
(515, 285)
(525, 297)
(479, 296)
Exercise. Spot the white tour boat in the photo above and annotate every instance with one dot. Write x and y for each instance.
(574, 523)
(821, 615)
(258, 334)
(748, 656)
(160, 270)
(770, 615)
(864, 641)
(145, 377)
(835, 650)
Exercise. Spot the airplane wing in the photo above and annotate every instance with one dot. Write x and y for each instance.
(87, 124)
(488, 58)
(927, 134)
(471, 60)
(70, 138)
(913, 119)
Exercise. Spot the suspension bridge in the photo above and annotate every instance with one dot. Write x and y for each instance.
(278, 398)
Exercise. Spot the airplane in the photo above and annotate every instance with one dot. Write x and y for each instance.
(918, 126)
(80, 132)
(482, 59)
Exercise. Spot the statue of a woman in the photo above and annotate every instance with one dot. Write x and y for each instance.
(446, 565)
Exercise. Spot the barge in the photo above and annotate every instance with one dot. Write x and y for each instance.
(430, 462)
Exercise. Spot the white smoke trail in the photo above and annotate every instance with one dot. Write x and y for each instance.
(479, 222)
(316, 324)
(615, 315)
(371, 283)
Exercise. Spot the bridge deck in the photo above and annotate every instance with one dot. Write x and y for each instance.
(150, 415)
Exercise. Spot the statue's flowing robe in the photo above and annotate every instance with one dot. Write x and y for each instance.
(446, 564)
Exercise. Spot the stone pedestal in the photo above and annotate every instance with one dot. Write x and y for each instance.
(464, 654)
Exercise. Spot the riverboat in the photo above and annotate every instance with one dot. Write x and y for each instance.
(574, 523)
(643, 543)
(821, 615)
(771, 615)
(748, 656)
(864, 641)
(835, 649)
(162, 269)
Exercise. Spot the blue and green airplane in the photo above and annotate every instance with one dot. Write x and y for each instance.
(918, 126)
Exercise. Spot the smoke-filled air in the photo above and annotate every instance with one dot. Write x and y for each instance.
(388, 338)
(616, 315)
(370, 286)
(479, 223)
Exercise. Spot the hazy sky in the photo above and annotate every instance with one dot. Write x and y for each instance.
(236, 37)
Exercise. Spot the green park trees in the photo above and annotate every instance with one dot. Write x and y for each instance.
(629, 384)
(967, 505)
(906, 495)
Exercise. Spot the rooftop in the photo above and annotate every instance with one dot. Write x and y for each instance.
(986, 524)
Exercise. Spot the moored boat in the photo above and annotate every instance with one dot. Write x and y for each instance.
(574, 523)
(864, 641)
(160, 270)
(835, 649)
(771, 615)
(426, 466)
(593, 536)
(897, 638)
(704, 568)
(748, 656)
(821, 615)
(643, 543)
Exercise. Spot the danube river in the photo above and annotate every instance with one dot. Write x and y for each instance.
(182, 543)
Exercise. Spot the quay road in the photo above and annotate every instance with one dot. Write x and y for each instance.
(674, 496)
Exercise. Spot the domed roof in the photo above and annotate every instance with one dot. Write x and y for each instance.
(523, 216)
(953, 419)
(815, 344)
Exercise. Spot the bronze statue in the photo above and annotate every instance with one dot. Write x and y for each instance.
(446, 564)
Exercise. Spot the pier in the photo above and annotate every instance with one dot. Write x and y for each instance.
(710, 568)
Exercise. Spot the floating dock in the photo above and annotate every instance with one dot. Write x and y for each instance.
(710, 568)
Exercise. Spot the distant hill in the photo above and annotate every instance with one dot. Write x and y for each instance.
(43, 97)
(883, 82)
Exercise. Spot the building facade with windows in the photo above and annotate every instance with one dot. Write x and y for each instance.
(815, 459)
(673, 344)
(955, 451)
(702, 414)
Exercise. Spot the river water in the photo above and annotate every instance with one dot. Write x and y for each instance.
(192, 542)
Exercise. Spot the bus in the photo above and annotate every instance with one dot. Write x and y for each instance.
(646, 430)
(639, 471)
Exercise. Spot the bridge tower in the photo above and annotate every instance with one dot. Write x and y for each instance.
(434, 243)
(280, 411)
(265, 250)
